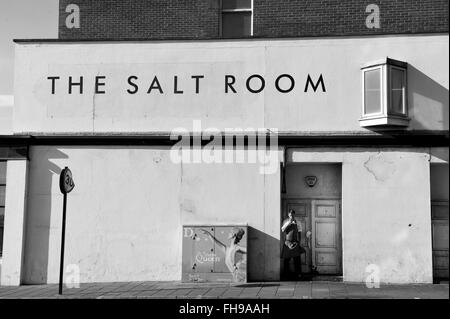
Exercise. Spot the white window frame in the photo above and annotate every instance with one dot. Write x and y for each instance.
(363, 81)
(386, 117)
(222, 11)
(404, 91)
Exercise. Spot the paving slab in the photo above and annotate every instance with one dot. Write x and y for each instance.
(320, 290)
(250, 292)
(263, 290)
(303, 290)
(215, 292)
(180, 293)
(285, 291)
(232, 292)
(162, 293)
(198, 292)
(268, 292)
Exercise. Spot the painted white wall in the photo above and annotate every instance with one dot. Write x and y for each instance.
(337, 59)
(328, 185)
(385, 210)
(14, 223)
(129, 204)
(386, 215)
(6, 114)
(125, 214)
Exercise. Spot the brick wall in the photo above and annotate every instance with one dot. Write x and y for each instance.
(347, 17)
(199, 19)
(100, 19)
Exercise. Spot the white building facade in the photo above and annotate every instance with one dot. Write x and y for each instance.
(361, 157)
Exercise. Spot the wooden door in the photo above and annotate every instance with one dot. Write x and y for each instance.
(326, 236)
(439, 222)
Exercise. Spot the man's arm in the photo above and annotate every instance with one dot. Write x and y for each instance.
(285, 225)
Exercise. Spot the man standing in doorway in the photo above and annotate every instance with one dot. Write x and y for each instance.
(291, 247)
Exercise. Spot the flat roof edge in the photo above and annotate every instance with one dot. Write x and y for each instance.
(385, 133)
(330, 36)
(388, 139)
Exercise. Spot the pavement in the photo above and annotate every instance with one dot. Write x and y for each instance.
(262, 290)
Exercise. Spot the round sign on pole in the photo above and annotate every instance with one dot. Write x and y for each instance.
(66, 183)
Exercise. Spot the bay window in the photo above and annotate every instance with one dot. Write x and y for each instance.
(384, 100)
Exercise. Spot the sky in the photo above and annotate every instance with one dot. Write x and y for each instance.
(22, 19)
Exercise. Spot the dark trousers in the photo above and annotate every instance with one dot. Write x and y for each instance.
(297, 265)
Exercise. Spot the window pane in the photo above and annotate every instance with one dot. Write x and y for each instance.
(236, 24)
(2, 172)
(372, 98)
(397, 91)
(236, 4)
(2, 195)
(397, 102)
(397, 78)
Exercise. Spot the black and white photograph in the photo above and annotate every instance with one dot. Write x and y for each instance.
(251, 152)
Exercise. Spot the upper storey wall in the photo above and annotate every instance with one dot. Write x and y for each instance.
(201, 19)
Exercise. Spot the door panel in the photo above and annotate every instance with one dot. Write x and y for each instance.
(326, 233)
(326, 236)
(325, 258)
(326, 210)
(440, 237)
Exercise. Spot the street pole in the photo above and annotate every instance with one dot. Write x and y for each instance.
(66, 185)
(63, 236)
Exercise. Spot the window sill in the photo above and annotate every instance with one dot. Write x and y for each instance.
(384, 120)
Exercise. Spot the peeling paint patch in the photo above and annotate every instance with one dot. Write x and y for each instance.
(380, 167)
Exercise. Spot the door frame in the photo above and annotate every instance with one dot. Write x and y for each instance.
(285, 200)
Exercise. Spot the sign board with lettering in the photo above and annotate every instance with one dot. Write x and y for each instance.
(214, 253)
(292, 85)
